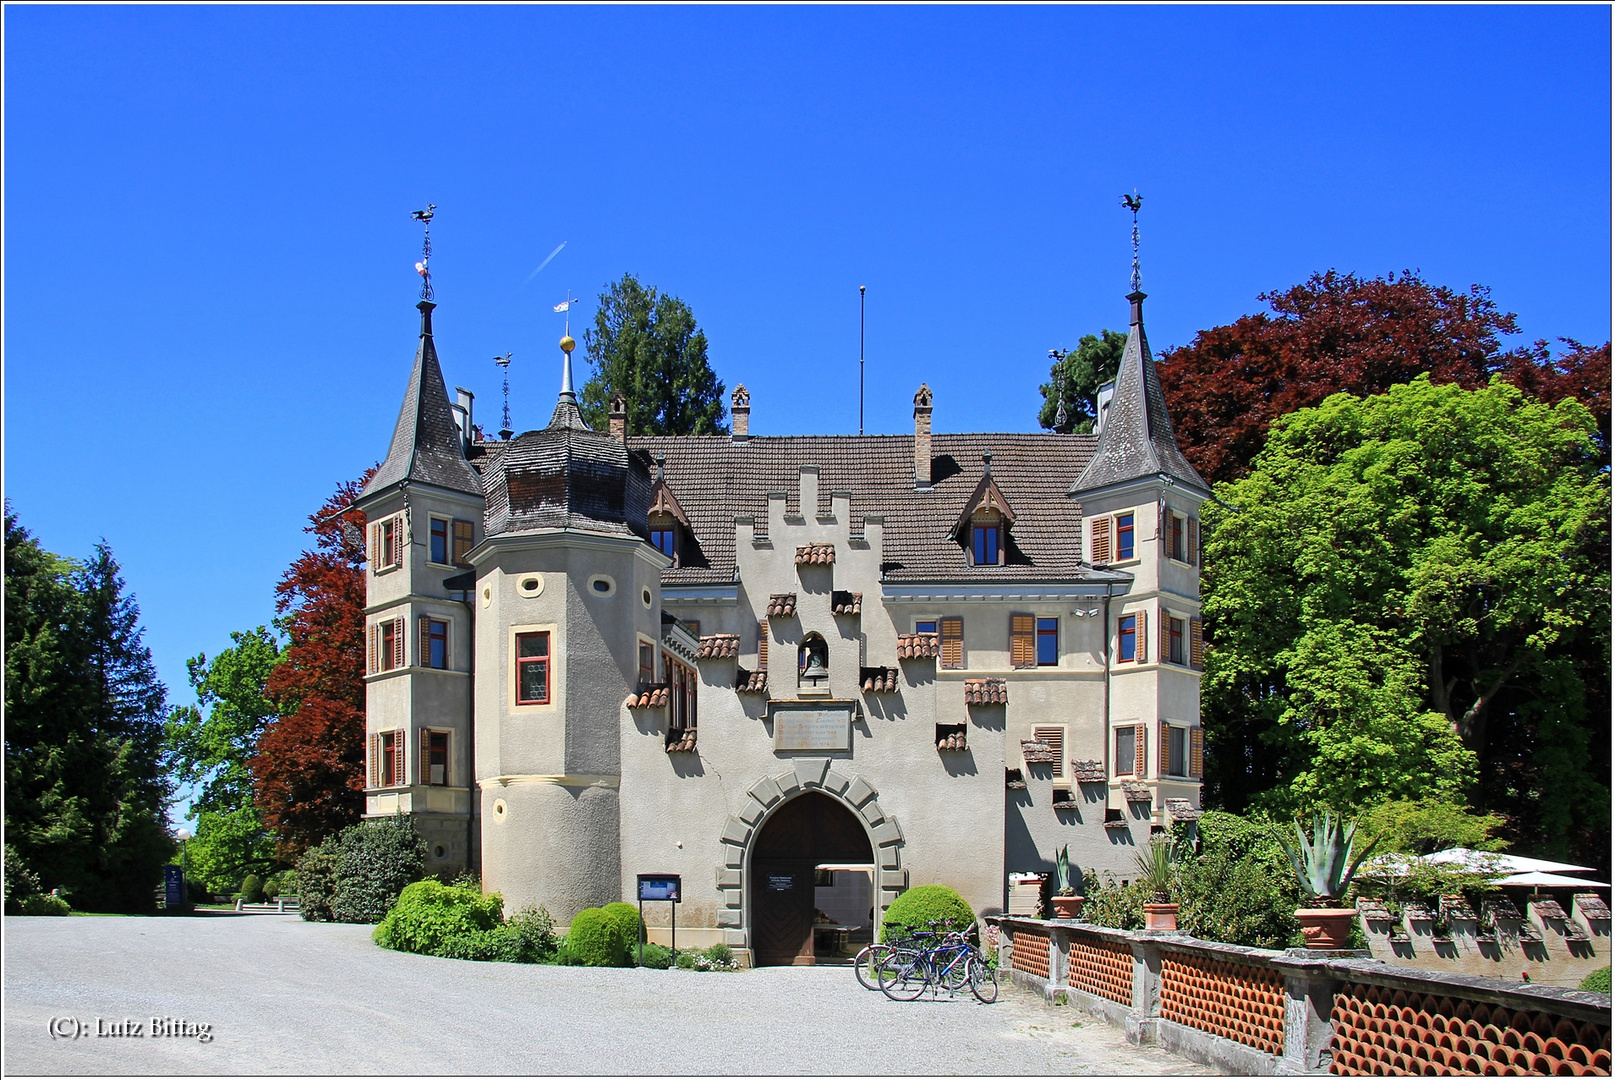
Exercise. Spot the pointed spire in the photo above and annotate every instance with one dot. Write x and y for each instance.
(426, 446)
(1136, 441)
(566, 412)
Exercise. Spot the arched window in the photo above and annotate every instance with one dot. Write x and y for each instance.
(813, 662)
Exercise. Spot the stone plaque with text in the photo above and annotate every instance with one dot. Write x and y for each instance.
(822, 725)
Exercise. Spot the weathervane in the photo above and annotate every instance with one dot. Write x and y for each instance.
(424, 268)
(505, 431)
(1060, 377)
(1133, 202)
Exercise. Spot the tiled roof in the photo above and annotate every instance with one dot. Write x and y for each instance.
(648, 697)
(815, 554)
(1182, 810)
(1456, 907)
(1036, 752)
(1503, 908)
(426, 445)
(986, 692)
(751, 682)
(1548, 909)
(1592, 905)
(719, 647)
(1088, 772)
(717, 478)
(953, 741)
(781, 605)
(917, 646)
(563, 477)
(878, 680)
(1136, 439)
(846, 603)
(1135, 791)
(681, 741)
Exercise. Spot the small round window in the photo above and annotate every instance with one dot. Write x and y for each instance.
(530, 584)
(499, 809)
(602, 585)
(487, 596)
(644, 597)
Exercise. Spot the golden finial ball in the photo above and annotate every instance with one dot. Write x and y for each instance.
(567, 344)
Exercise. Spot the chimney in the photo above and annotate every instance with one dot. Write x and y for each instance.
(619, 417)
(740, 413)
(922, 438)
(462, 415)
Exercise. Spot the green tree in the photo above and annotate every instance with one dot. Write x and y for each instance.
(646, 346)
(1398, 605)
(210, 752)
(86, 793)
(1075, 379)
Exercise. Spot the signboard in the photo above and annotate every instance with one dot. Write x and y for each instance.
(173, 887)
(781, 882)
(659, 887)
(819, 726)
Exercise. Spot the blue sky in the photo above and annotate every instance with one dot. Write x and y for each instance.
(209, 284)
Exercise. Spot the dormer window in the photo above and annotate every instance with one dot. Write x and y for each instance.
(984, 523)
(985, 547)
(663, 538)
(666, 518)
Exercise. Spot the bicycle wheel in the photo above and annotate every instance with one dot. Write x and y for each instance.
(904, 975)
(866, 965)
(955, 974)
(983, 983)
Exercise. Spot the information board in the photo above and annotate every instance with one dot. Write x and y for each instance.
(173, 887)
(659, 887)
(821, 726)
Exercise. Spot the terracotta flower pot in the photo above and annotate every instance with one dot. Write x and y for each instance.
(1325, 928)
(1068, 907)
(1160, 916)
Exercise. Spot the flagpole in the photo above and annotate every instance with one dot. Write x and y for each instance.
(860, 359)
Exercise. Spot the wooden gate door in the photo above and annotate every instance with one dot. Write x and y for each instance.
(782, 911)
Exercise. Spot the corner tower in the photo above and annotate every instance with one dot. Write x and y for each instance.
(423, 509)
(1140, 502)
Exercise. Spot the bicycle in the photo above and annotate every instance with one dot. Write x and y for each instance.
(872, 957)
(951, 962)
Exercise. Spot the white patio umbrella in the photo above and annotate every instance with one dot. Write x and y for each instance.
(1537, 879)
(1512, 864)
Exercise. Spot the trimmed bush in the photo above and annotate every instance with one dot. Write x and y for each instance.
(316, 879)
(45, 904)
(917, 907)
(378, 859)
(625, 918)
(252, 889)
(1597, 982)
(601, 938)
(443, 920)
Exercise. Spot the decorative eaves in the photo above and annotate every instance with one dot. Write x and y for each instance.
(987, 496)
(1036, 752)
(1182, 810)
(681, 741)
(751, 682)
(878, 680)
(648, 696)
(1134, 791)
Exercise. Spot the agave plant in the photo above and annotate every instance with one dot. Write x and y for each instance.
(1062, 873)
(1324, 865)
(1156, 864)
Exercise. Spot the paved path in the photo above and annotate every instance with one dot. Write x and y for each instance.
(285, 996)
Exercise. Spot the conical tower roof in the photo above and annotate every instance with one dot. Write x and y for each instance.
(1136, 440)
(426, 446)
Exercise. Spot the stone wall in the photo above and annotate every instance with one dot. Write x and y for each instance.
(1261, 1012)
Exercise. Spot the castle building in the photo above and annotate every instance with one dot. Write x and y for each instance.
(802, 673)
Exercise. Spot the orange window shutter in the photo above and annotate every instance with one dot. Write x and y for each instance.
(374, 554)
(762, 645)
(953, 642)
(375, 632)
(398, 541)
(426, 639)
(1022, 641)
(1101, 541)
(399, 629)
(1197, 752)
(1141, 746)
(1194, 541)
(426, 757)
(1197, 646)
(398, 759)
(375, 761)
(1054, 739)
(1141, 647)
(1163, 747)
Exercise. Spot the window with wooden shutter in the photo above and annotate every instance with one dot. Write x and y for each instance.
(953, 642)
(426, 757)
(1197, 646)
(375, 760)
(1127, 640)
(375, 636)
(762, 645)
(426, 639)
(1197, 753)
(399, 647)
(398, 757)
(373, 553)
(1141, 747)
(1143, 637)
(435, 758)
(1126, 750)
(1099, 548)
(1054, 739)
(1022, 641)
(398, 540)
(1163, 748)
(1163, 652)
(1193, 529)
(463, 536)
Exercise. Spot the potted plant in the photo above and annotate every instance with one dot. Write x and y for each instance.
(1324, 868)
(1156, 868)
(1067, 904)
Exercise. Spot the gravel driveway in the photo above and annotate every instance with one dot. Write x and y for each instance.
(284, 996)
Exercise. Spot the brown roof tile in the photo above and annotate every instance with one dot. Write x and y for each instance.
(648, 697)
(815, 554)
(1135, 791)
(917, 646)
(751, 682)
(1088, 772)
(986, 692)
(878, 680)
(846, 603)
(719, 647)
(953, 741)
(1036, 752)
(1182, 810)
(782, 605)
(681, 741)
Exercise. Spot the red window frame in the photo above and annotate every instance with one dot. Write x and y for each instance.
(539, 640)
(1175, 532)
(1174, 630)
(439, 551)
(1127, 639)
(391, 747)
(1124, 537)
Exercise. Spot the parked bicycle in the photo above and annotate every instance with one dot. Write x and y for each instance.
(930, 959)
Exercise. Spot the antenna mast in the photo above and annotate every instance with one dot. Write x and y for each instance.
(861, 359)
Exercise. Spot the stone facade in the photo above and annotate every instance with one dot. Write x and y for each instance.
(966, 651)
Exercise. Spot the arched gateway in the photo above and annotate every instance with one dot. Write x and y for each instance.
(805, 832)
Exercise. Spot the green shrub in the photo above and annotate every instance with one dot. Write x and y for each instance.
(1113, 904)
(720, 954)
(378, 859)
(528, 937)
(316, 879)
(443, 920)
(45, 904)
(1240, 887)
(272, 887)
(599, 938)
(1597, 982)
(657, 956)
(686, 958)
(565, 955)
(916, 908)
(252, 889)
(625, 919)
(21, 882)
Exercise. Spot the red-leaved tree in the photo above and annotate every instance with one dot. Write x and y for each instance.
(1338, 332)
(308, 774)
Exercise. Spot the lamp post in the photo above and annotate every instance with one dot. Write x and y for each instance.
(184, 835)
